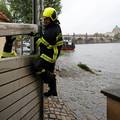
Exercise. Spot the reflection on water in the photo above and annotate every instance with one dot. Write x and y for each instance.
(105, 57)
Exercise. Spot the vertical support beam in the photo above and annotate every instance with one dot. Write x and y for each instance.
(37, 19)
(40, 29)
(37, 8)
(34, 11)
(34, 21)
(40, 15)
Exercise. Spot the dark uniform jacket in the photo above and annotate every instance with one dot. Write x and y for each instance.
(51, 42)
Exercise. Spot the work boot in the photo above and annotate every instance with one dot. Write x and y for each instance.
(49, 93)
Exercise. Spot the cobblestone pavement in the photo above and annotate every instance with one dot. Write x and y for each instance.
(55, 109)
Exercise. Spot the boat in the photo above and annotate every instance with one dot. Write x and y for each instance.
(68, 43)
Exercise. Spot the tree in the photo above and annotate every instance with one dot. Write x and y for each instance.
(4, 9)
(22, 9)
(53, 3)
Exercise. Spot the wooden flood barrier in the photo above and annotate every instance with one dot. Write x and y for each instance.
(17, 28)
(20, 93)
(113, 102)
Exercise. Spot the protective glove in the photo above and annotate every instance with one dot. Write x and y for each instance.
(36, 35)
(32, 34)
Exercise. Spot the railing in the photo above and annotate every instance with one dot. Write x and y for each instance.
(21, 94)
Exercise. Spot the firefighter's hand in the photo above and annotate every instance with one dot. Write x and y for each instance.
(32, 34)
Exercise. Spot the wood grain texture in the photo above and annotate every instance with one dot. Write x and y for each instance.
(17, 28)
(19, 90)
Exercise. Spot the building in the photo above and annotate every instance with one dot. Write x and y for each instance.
(115, 31)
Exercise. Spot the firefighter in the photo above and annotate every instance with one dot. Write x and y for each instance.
(7, 50)
(50, 43)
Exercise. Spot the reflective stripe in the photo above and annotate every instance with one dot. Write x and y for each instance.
(46, 58)
(43, 41)
(40, 72)
(54, 47)
(57, 44)
(55, 53)
(51, 60)
(59, 37)
(8, 54)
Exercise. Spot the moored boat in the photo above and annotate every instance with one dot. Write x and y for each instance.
(68, 43)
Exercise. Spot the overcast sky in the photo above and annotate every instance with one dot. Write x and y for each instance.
(81, 16)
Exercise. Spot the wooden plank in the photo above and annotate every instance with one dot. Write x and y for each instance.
(8, 77)
(7, 64)
(20, 92)
(32, 112)
(14, 97)
(24, 104)
(17, 28)
(15, 86)
(113, 109)
(36, 117)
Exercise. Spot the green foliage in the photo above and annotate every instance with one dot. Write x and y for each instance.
(85, 67)
(53, 3)
(22, 9)
(4, 9)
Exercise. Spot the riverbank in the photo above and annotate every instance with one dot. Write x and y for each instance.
(80, 90)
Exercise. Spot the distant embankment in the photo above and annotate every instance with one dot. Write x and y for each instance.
(95, 40)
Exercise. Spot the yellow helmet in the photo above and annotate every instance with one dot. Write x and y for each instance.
(50, 12)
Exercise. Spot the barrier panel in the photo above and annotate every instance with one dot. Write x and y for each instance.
(17, 28)
(20, 93)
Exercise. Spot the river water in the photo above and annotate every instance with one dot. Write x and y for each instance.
(80, 89)
(100, 56)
